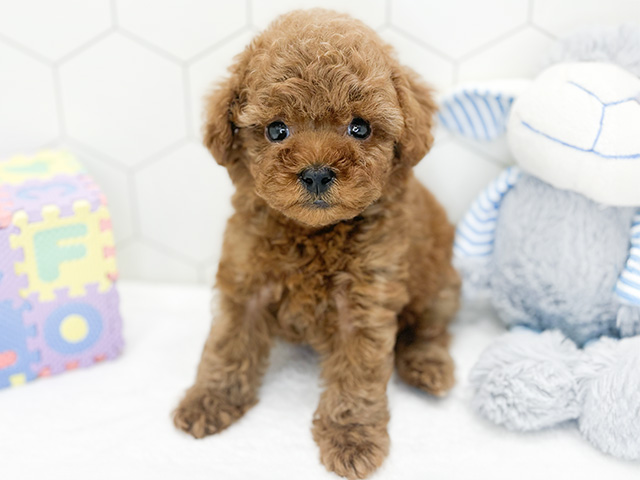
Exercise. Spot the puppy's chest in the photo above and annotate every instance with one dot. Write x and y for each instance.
(308, 268)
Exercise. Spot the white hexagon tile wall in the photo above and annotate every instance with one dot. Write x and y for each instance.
(121, 83)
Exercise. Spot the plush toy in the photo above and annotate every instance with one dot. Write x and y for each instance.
(555, 242)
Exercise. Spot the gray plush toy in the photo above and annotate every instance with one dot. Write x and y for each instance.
(555, 242)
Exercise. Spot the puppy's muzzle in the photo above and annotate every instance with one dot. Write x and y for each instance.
(317, 180)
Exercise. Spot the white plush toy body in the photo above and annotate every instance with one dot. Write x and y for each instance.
(555, 243)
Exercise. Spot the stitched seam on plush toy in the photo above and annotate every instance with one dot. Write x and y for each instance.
(595, 142)
(600, 126)
(630, 99)
(575, 147)
(586, 90)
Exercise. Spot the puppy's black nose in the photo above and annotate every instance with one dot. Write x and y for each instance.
(317, 179)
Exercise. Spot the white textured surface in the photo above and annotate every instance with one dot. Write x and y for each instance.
(373, 12)
(209, 68)
(183, 28)
(115, 185)
(518, 55)
(186, 187)
(54, 29)
(25, 81)
(428, 64)
(558, 17)
(123, 100)
(446, 161)
(113, 420)
(121, 83)
(459, 27)
(158, 264)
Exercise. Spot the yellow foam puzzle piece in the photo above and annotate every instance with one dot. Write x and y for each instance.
(45, 164)
(17, 379)
(65, 252)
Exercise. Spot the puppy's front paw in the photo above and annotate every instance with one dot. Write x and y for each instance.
(427, 366)
(204, 412)
(351, 451)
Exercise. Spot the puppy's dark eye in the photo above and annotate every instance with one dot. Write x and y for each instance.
(277, 131)
(359, 128)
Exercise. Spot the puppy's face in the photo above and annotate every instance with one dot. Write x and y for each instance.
(321, 116)
(321, 149)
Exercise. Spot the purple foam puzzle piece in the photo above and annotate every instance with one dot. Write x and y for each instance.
(100, 323)
(15, 357)
(11, 283)
(6, 207)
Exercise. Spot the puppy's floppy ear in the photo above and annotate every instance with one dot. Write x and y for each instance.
(219, 130)
(418, 108)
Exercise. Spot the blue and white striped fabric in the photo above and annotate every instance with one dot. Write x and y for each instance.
(628, 286)
(476, 232)
(481, 115)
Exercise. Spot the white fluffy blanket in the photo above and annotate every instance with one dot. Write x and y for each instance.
(113, 421)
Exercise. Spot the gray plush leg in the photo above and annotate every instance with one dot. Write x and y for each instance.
(610, 381)
(526, 381)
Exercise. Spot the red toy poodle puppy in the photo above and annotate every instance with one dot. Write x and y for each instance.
(333, 241)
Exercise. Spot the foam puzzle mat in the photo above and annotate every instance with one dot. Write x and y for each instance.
(59, 307)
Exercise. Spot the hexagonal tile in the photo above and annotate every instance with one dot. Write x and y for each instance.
(181, 27)
(520, 55)
(141, 261)
(455, 175)
(204, 74)
(184, 198)
(54, 29)
(262, 13)
(28, 114)
(434, 69)
(562, 17)
(123, 100)
(457, 27)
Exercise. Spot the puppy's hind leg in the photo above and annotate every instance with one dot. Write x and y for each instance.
(233, 362)
(422, 349)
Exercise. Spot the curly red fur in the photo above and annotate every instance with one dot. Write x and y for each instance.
(364, 281)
